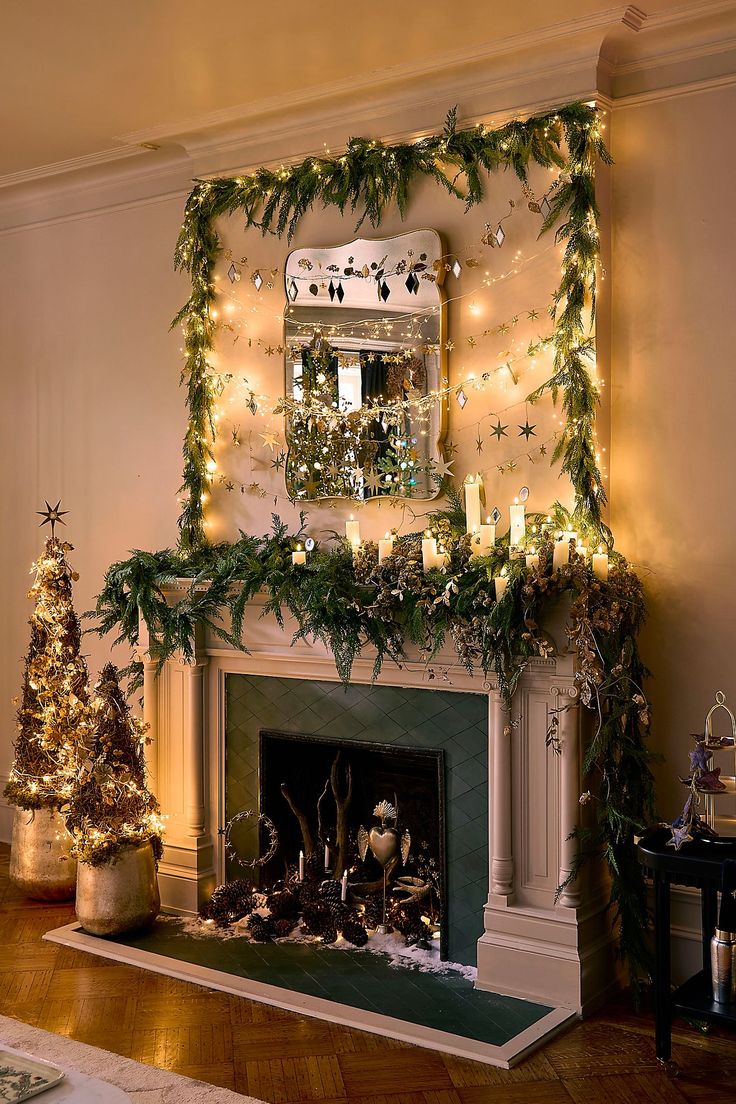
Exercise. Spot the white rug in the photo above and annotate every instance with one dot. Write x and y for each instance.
(142, 1084)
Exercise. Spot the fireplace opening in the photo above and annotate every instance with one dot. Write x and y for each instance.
(369, 811)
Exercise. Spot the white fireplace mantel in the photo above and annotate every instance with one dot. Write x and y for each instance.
(559, 952)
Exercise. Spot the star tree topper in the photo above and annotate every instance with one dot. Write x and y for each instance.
(51, 515)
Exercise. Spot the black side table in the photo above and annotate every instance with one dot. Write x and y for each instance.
(698, 864)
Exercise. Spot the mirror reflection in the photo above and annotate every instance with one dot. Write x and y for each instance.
(365, 342)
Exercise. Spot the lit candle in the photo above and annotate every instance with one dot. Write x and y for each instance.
(429, 551)
(582, 550)
(299, 557)
(501, 583)
(352, 531)
(561, 554)
(600, 564)
(301, 866)
(442, 558)
(385, 547)
(517, 531)
(344, 886)
(473, 486)
(487, 535)
(327, 857)
(532, 559)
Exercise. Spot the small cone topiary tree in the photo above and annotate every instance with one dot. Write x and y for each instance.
(111, 807)
(53, 713)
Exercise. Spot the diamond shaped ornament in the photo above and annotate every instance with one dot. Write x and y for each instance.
(257, 281)
(384, 291)
(340, 292)
(495, 515)
(500, 235)
(253, 407)
(233, 273)
(412, 283)
(331, 291)
(462, 398)
(293, 290)
(545, 206)
(456, 269)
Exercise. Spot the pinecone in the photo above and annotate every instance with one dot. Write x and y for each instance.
(308, 893)
(314, 865)
(283, 905)
(339, 912)
(373, 912)
(407, 919)
(354, 931)
(316, 918)
(259, 928)
(330, 890)
(229, 903)
(282, 928)
(329, 934)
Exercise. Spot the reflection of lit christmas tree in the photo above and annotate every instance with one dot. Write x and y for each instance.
(53, 717)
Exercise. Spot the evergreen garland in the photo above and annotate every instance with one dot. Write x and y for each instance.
(373, 176)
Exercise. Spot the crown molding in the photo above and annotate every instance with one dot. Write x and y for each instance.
(71, 165)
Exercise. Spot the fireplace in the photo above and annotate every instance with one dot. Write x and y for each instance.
(423, 750)
(511, 802)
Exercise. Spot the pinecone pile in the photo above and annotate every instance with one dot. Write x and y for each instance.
(229, 902)
(283, 904)
(354, 931)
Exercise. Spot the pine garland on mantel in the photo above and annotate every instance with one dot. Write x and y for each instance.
(347, 599)
(374, 176)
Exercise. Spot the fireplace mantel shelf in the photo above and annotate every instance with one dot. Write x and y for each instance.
(556, 950)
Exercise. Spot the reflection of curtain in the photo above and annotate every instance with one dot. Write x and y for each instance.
(373, 372)
(312, 365)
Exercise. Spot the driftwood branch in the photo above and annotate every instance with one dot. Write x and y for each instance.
(303, 822)
(341, 783)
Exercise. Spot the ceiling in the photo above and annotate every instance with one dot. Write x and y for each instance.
(77, 77)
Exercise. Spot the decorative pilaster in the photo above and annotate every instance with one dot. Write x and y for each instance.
(147, 656)
(194, 736)
(502, 861)
(569, 741)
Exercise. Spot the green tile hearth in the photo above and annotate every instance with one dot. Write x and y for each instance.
(359, 979)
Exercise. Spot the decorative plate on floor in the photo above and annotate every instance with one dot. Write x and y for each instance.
(21, 1077)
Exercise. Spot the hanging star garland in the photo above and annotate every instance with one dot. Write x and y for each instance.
(527, 430)
(499, 430)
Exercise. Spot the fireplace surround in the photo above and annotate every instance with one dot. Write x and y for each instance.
(532, 942)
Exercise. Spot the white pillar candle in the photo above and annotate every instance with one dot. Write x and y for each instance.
(501, 583)
(385, 547)
(442, 558)
(487, 536)
(344, 886)
(299, 557)
(561, 554)
(517, 530)
(532, 559)
(429, 551)
(473, 486)
(301, 866)
(327, 857)
(582, 550)
(600, 564)
(352, 531)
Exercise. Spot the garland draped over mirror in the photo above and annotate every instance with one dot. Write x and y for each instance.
(374, 176)
(347, 599)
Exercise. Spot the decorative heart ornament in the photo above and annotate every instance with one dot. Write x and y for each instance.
(384, 843)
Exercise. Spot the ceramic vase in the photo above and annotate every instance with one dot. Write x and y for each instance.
(41, 860)
(121, 895)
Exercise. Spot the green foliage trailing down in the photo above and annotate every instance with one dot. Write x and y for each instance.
(351, 603)
(370, 177)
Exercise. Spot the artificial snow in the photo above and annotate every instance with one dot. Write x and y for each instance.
(392, 946)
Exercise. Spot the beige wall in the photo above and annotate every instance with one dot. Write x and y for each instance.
(674, 396)
(92, 410)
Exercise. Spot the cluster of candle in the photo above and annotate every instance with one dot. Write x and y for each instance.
(483, 539)
(343, 880)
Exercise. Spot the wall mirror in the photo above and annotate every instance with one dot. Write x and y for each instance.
(364, 342)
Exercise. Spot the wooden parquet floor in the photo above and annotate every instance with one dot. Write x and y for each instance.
(284, 1058)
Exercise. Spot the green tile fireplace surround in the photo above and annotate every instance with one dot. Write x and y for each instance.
(456, 722)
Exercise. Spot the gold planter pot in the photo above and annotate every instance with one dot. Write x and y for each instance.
(41, 860)
(119, 896)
